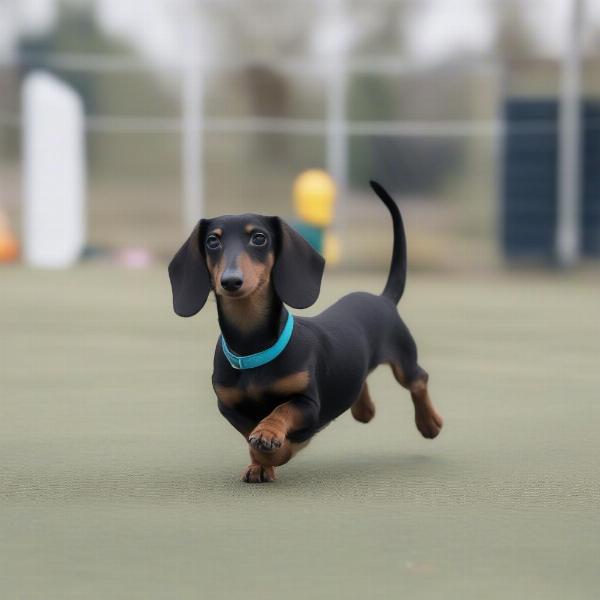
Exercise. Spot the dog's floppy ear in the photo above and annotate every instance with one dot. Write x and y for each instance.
(190, 280)
(298, 267)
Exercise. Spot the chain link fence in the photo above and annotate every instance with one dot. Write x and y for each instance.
(210, 133)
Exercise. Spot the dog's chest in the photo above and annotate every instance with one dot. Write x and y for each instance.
(262, 391)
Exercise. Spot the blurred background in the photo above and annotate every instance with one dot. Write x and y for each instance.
(124, 121)
(203, 108)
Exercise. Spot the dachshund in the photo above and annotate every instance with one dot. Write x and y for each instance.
(279, 378)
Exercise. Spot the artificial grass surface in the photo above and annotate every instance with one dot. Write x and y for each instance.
(119, 478)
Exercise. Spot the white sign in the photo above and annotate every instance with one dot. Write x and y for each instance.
(53, 173)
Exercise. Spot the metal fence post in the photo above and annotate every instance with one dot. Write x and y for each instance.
(192, 108)
(337, 144)
(568, 225)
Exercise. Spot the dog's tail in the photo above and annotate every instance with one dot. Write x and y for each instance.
(394, 288)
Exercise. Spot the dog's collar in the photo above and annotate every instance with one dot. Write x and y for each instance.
(251, 361)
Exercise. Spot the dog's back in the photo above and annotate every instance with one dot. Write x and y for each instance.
(351, 338)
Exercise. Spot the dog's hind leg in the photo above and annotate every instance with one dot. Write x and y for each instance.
(363, 409)
(429, 422)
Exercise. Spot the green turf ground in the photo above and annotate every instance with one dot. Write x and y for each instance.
(119, 479)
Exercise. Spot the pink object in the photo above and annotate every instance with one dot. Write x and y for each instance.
(134, 258)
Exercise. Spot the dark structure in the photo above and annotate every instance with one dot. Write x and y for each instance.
(529, 188)
(590, 214)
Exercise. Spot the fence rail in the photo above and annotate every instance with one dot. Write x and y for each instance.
(316, 127)
(100, 63)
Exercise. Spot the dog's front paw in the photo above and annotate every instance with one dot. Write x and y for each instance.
(265, 440)
(258, 474)
(429, 423)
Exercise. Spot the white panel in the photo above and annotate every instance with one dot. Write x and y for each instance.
(53, 171)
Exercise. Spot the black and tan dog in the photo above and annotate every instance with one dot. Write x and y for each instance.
(280, 379)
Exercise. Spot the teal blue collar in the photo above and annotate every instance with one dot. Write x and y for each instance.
(251, 361)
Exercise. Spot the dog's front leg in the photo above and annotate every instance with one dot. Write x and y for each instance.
(269, 443)
(298, 413)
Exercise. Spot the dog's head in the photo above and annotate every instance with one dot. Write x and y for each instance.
(236, 256)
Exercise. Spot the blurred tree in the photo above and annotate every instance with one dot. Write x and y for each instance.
(136, 92)
(382, 29)
(513, 37)
(528, 70)
(407, 164)
(75, 31)
(262, 32)
(268, 96)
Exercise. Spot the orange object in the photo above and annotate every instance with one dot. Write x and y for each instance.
(9, 247)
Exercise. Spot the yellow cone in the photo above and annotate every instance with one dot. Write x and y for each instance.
(314, 196)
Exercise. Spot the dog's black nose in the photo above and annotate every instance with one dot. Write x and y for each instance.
(232, 281)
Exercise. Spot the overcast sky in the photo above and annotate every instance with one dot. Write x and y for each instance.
(441, 27)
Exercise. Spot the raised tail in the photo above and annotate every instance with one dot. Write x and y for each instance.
(394, 288)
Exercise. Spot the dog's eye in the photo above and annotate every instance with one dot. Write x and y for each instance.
(213, 242)
(258, 239)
